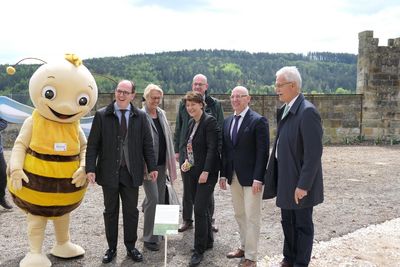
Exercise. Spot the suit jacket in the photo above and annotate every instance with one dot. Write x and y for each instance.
(213, 107)
(103, 155)
(299, 157)
(205, 146)
(248, 158)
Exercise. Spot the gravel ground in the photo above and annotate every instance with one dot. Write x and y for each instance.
(372, 246)
(357, 224)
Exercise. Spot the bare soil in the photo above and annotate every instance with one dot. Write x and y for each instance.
(362, 185)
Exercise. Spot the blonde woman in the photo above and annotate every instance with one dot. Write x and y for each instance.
(165, 157)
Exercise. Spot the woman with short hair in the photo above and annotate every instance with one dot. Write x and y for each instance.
(165, 156)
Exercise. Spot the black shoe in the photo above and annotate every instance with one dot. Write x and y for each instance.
(153, 246)
(196, 259)
(4, 203)
(110, 255)
(135, 255)
(185, 226)
(209, 246)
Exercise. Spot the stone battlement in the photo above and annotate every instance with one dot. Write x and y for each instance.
(367, 40)
(378, 80)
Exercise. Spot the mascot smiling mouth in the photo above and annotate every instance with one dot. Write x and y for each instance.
(62, 116)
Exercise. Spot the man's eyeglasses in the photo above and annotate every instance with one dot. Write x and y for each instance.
(279, 85)
(198, 84)
(122, 92)
(238, 96)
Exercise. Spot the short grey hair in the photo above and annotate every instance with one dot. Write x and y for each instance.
(291, 74)
(152, 87)
(202, 76)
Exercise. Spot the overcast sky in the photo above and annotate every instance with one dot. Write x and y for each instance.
(100, 28)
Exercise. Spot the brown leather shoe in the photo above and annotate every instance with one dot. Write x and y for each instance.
(249, 263)
(238, 253)
(185, 226)
(285, 264)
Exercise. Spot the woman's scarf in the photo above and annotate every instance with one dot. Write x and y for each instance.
(170, 157)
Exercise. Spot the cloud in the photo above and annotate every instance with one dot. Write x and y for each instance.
(99, 28)
(367, 7)
(179, 5)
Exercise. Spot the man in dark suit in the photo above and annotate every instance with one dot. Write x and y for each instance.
(294, 170)
(245, 149)
(119, 145)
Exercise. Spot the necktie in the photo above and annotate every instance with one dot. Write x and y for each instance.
(285, 111)
(235, 129)
(123, 126)
(123, 129)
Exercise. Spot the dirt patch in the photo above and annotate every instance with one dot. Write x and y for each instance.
(362, 184)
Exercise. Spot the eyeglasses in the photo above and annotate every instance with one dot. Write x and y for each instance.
(122, 92)
(279, 85)
(199, 84)
(155, 97)
(238, 96)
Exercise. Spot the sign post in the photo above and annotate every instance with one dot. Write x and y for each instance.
(166, 222)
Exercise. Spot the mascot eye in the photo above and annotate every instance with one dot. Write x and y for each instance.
(49, 92)
(83, 100)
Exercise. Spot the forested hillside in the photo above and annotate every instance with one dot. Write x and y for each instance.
(322, 72)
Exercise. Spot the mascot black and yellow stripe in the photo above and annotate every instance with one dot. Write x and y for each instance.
(51, 160)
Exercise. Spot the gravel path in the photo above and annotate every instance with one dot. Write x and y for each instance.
(362, 185)
(373, 246)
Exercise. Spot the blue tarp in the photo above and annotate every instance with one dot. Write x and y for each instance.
(15, 112)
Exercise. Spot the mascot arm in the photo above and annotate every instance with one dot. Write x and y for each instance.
(18, 154)
(79, 177)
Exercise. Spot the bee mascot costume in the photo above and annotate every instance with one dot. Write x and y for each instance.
(47, 176)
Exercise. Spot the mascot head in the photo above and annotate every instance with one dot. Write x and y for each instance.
(62, 91)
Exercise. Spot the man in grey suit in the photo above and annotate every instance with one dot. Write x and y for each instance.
(294, 171)
(245, 148)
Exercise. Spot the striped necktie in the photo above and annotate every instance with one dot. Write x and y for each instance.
(285, 111)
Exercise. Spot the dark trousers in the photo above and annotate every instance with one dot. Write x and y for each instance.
(187, 201)
(201, 197)
(3, 175)
(298, 229)
(129, 198)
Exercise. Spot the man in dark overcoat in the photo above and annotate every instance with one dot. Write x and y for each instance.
(294, 171)
(119, 146)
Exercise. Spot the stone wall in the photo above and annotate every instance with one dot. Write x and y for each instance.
(341, 114)
(378, 80)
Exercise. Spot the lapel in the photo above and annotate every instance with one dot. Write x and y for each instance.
(292, 111)
(243, 126)
(228, 126)
(279, 113)
(191, 126)
(150, 119)
(154, 126)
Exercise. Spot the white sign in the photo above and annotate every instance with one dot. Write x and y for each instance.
(166, 221)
